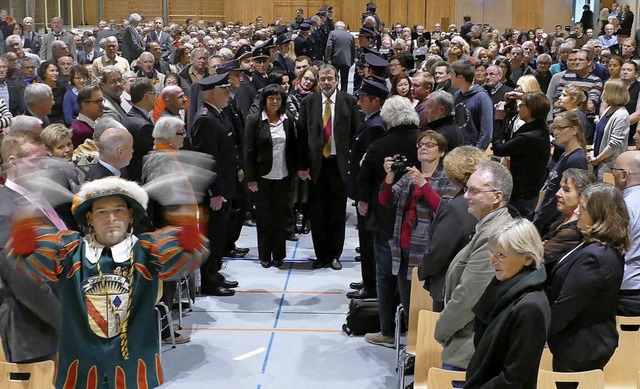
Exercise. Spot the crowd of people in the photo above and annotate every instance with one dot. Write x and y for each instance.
(464, 152)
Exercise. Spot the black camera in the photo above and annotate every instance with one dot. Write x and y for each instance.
(400, 164)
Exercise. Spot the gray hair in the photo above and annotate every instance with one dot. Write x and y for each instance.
(34, 93)
(565, 47)
(166, 127)
(397, 111)
(145, 54)
(57, 43)
(110, 39)
(134, 17)
(500, 180)
(520, 236)
(544, 56)
(103, 123)
(225, 53)
(11, 38)
(24, 123)
(443, 99)
(105, 71)
(129, 74)
(340, 25)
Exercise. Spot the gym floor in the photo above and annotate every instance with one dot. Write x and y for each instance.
(281, 330)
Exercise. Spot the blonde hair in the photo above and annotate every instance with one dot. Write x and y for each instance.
(53, 134)
(461, 162)
(529, 83)
(615, 93)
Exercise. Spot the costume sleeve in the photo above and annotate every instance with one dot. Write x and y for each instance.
(41, 250)
(175, 252)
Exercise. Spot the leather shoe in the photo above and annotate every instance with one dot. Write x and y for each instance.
(219, 291)
(277, 263)
(358, 250)
(229, 284)
(243, 249)
(235, 254)
(249, 223)
(363, 293)
(318, 264)
(336, 265)
(292, 238)
(357, 258)
(356, 285)
(265, 264)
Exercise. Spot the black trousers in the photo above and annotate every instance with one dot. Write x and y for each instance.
(327, 211)
(273, 199)
(239, 207)
(217, 229)
(367, 257)
(344, 76)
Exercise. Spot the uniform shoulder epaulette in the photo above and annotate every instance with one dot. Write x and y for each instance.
(204, 111)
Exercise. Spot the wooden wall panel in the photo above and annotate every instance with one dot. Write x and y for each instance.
(499, 14)
(440, 12)
(556, 12)
(473, 8)
(528, 14)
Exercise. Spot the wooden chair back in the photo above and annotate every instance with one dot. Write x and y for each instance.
(622, 369)
(3, 357)
(608, 178)
(428, 351)
(546, 362)
(592, 379)
(420, 300)
(38, 375)
(443, 379)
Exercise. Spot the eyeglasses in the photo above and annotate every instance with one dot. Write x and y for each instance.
(97, 101)
(476, 191)
(499, 256)
(520, 105)
(559, 128)
(429, 145)
(181, 133)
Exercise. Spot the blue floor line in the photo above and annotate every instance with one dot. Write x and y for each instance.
(259, 386)
(275, 323)
(286, 260)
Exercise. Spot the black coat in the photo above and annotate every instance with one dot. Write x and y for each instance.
(512, 318)
(285, 64)
(245, 95)
(141, 128)
(583, 292)
(212, 134)
(97, 171)
(447, 126)
(396, 140)
(311, 132)
(16, 97)
(370, 130)
(258, 147)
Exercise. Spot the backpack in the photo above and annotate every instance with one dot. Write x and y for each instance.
(362, 317)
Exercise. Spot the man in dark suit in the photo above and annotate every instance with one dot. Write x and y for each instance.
(260, 65)
(302, 43)
(158, 63)
(88, 53)
(46, 52)
(132, 45)
(371, 97)
(246, 93)
(341, 52)
(10, 91)
(39, 101)
(32, 39)
(116, 150)
(328, 121)
(139, 123)
(212, 134)
(161, 37)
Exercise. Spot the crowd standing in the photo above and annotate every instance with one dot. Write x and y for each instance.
(463, 149)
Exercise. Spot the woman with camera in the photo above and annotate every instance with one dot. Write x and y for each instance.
(416, 197)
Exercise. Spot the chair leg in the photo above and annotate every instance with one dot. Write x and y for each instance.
(401, 377)
(167, 314)
(159, 316)
(180, 281)
(398, 331)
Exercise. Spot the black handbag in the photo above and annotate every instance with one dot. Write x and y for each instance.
(362, 317)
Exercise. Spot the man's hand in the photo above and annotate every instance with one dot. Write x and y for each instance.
(304, 175)
(216, 202)
(253, 186)
(240, 175)
(363, 208)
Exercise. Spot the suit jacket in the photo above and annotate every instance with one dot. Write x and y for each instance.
(467, 277)
(45, 50)
(583, 292)
(32, 42)
(341, 48)
(97, 171)
(132, 45)
(370, 130)
(164, 41)
(311, 132)
(258, 147)
(82, 57)
(259, 81)
(113, 109)
(246, 94)
(141, 128)
(16, 97)
(285, 64)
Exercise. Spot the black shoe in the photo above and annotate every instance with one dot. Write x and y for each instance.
(292, 238)
(219, 291)
(229, 284)
(249, 223)
(277, 263)
(336, 265)
(307, 227)
(363, 293)
(243, 249)
(235, 254)
(356, 285)
(265, 264)
(410, 365)
(318, 264)
(358, 250)
(357, 258)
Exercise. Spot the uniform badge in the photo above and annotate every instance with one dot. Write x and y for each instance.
(104, 305)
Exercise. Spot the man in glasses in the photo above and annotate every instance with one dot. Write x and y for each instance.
(91, 103)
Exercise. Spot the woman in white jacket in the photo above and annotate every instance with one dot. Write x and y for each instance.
(612, 131)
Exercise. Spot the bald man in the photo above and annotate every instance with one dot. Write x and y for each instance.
(626, 172)
(116, 150)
